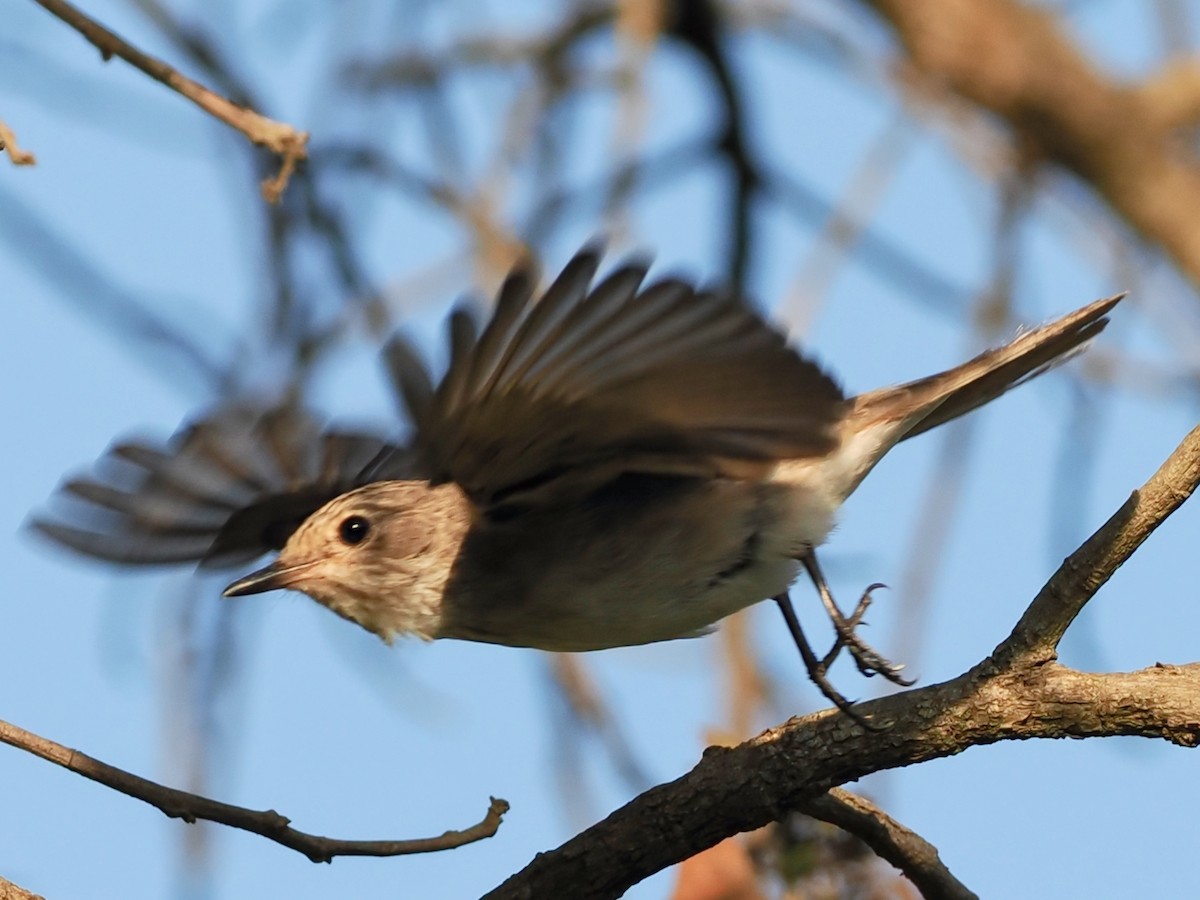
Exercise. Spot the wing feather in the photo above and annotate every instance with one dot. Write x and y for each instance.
(224, 490)
(590, 381)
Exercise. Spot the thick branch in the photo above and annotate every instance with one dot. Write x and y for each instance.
(280, 138)
(1014, 61)
(1012, 695)
(745, 787)
(903, 848)
(268, 823)
(10, 891)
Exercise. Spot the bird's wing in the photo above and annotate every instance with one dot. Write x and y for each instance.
(590, 381)
(225, 489)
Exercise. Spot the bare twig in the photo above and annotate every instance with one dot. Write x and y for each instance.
(1087, 569)
(281, 138)
(902, 847)
(268, 823)
(287, 225)
(8, 143)
(745, 787)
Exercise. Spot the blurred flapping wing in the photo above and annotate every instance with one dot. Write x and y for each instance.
(561, 394)
(223, 491)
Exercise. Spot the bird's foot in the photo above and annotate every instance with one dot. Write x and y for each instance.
(818, 668)
(870, 662)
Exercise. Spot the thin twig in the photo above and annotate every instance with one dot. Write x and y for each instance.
(281, 138)
(268, 823)
(8, 143)
(739, 789)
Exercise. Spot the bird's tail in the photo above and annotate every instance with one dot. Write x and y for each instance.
(880, 419)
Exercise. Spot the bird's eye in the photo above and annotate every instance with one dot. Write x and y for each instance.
(354, 529)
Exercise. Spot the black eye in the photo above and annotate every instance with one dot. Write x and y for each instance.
(354, 529)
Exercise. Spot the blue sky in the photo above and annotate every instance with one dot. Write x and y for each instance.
(350, 738)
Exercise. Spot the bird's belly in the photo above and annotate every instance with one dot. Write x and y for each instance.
(667, 567)
(648, 618)
(615, 613)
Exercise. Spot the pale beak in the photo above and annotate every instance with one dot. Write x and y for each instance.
(268, 578)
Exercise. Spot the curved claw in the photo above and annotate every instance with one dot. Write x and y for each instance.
(817, 667)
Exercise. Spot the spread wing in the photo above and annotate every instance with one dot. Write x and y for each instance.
(559, 394)
(223, 491)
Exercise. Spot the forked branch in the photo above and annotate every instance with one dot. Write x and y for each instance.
(1018, 692)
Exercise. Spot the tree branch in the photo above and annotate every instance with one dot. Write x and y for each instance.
(1172, 97)
(268, 823)
(1088, 568)
(280, 138)
(745, 787)
(10, 891)
(8, 143)
(903, 848)
(1013, 60)
(1014, 694)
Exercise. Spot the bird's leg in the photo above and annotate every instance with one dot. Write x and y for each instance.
(869, 661)
(816, 667)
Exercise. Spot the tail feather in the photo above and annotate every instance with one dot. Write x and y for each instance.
(926, 403)
(880, 419)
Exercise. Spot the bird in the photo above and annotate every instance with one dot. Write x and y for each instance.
(606, 462)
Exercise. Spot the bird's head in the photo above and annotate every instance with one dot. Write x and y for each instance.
(379, 556)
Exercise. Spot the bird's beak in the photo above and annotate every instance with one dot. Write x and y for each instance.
(268, 578)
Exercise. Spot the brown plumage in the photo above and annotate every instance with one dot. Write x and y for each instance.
(614, 465)
(606, 464)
